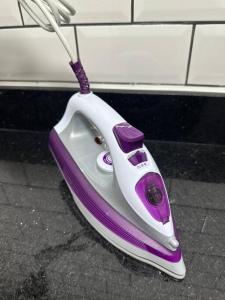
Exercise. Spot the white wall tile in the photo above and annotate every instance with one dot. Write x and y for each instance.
(34, 54)
(9, 13)
(179, 10)
(208, 56)
(96, 11)
(135, 54)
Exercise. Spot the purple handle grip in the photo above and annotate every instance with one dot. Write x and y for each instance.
(81, 77)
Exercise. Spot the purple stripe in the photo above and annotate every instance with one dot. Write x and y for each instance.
(100, 209)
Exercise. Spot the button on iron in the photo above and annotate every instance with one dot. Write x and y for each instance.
(128, 137)
(138, 158)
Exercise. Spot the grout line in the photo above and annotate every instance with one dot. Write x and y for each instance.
(170, 186)
(212, 92)
(121, 83)
(205, 85)
(102, 82)
(76, 41)
(124, 23)
(204, 224)
(25, 175)
(190, 53)
(106, 82)
(57, 212)
(6, 196)
(192, 255)
(132, 11)
(148, 23)
(203, 234)
(207, 209)
(15, 130)
(21, 14)
(37, 187)
(215, 287)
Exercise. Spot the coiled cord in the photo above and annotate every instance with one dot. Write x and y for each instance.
(58, 12)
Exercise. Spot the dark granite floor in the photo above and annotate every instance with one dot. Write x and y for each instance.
(48, 251)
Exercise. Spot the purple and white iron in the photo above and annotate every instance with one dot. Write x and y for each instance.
(113, 178)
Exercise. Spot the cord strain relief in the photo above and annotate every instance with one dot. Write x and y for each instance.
(81, 77)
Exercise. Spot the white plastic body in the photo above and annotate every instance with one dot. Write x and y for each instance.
(105, 118)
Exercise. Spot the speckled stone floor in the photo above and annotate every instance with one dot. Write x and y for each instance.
(48, 251)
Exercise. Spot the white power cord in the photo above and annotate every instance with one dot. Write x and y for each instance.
(56, 12)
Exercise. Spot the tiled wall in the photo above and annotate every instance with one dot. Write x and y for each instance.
(145, 45)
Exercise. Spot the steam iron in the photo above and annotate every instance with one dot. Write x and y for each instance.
(114, 180)
(116, 183)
